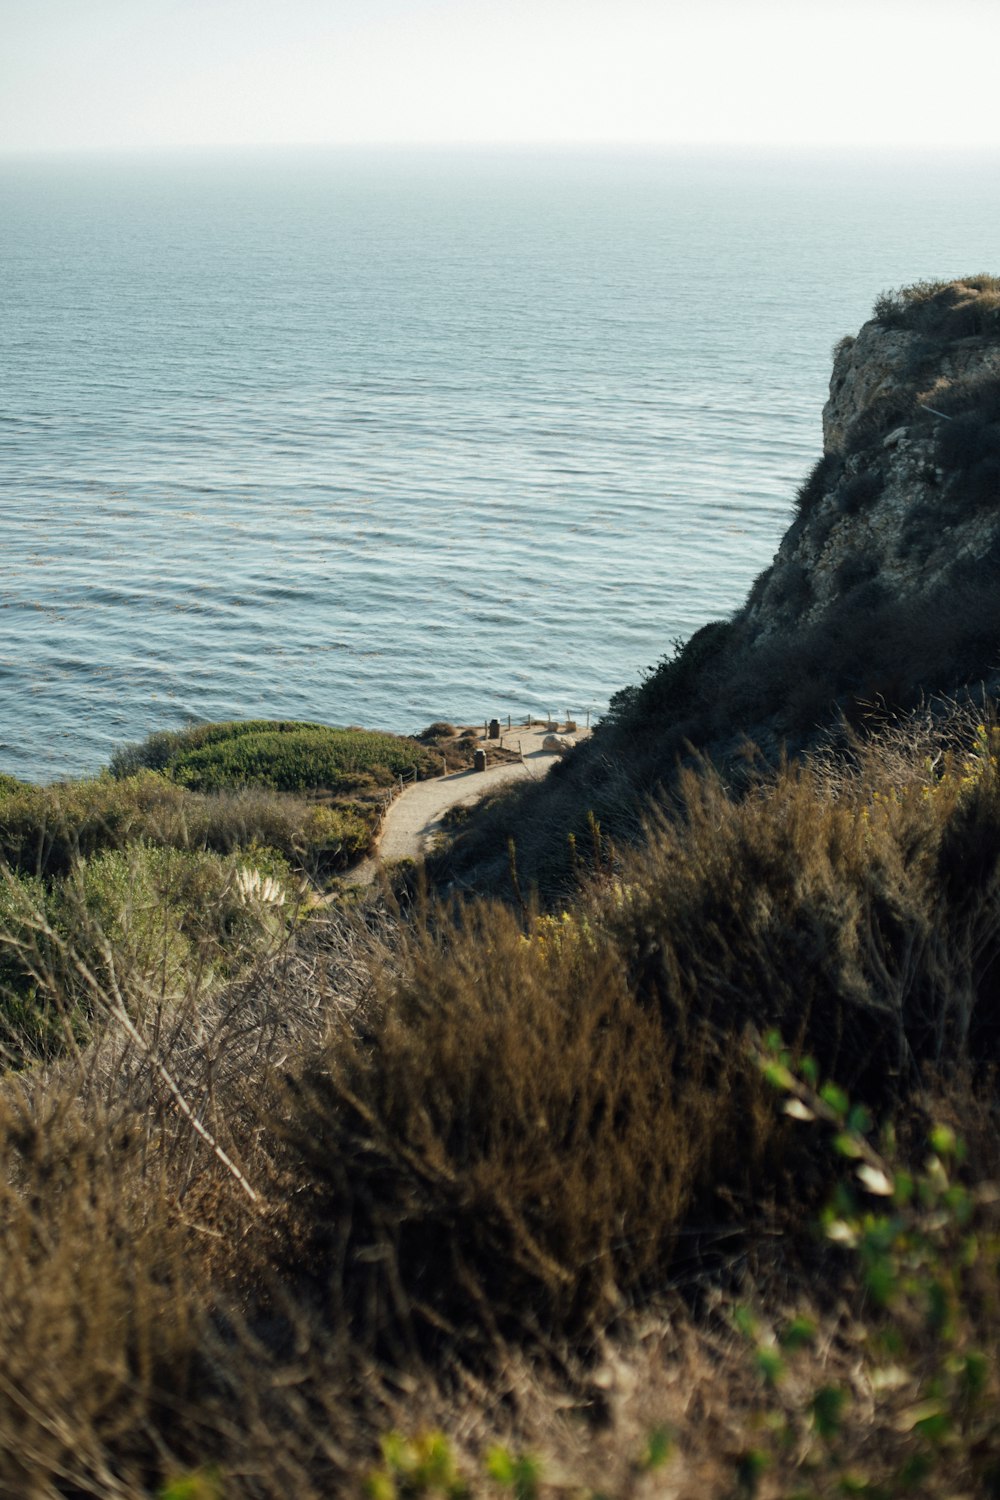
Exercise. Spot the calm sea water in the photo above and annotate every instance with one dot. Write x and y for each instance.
(374, 438)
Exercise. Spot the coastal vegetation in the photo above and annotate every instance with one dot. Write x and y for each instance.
(551, 1164)
(284, 757)
(307, 793)
(943, 310)
(646, 1143)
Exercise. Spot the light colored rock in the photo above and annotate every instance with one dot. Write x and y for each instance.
(865, 369)
(887, 363)
(557, 742)
(873, 520)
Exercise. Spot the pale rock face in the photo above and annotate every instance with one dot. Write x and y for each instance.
(879, 514)
(864, 369)
(883, 363)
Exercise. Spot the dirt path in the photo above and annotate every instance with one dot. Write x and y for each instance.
(414, 819)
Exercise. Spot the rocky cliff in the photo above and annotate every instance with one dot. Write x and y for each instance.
(884, 594)
(907, 494)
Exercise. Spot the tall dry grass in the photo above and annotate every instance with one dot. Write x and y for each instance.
(399, 1158)
(508, 1147)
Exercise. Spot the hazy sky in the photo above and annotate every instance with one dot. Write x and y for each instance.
(148, 73)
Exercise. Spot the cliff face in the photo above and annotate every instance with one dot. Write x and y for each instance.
(907, 495)
(884, 594)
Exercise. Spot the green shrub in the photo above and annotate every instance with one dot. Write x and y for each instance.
(804, 905)
(968, 445)
(822, 478)
(923, 1246)
(47, 830)
(855, 493)
(172, 922)
(673, 685)
(791, 586)
(856, 568)
(279, 757)
(943, 309)
(160, 748)
(156, 925)
(36, 1016)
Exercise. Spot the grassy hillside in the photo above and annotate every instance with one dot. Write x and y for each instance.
(199, 848)
(279, 756)
(540, 1182)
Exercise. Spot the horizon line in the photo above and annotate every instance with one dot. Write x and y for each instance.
(795, 148)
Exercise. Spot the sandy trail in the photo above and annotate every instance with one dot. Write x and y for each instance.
(414, 819)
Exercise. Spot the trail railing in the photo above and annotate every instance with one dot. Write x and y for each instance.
(388, 796)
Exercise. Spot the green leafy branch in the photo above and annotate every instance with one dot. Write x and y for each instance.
(926, 1249)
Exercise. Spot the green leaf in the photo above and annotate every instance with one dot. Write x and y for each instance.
(527, 1478)
(778, 1076)
(500, 1465)
(202, 1484)
(519, 1471)
(835, 1099)
(744, 1321)
(378, 1486)
(930, 1418)
(938, 1306)
(904, 1188)
(975, 1371)
(750, 1467)
(800, 1334)
(395, 1450)
(658, 1449)
(943, 1140)
(958, 1201)
(827, 1406)
(881, 1280)
(771, 1365)
(935, 1427)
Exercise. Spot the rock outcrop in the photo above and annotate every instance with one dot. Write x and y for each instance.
(907, 493)
(883, 598)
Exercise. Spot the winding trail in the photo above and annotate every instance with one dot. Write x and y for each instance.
(414, 818)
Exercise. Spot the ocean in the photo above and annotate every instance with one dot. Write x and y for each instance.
(376, 437)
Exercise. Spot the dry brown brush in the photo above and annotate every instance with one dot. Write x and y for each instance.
(369, 1176)
(508, 1148)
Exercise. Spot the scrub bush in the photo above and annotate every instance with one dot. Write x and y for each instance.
(821, 479)
(489, 1140)
(47, 830)
(968, 445)
(275, 756)
(855, 493)
(943, 309)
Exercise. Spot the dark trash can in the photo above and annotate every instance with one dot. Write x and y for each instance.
(494, 733)
(479, 760)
